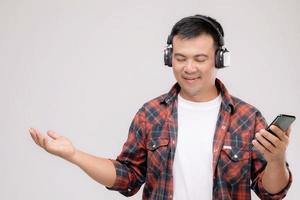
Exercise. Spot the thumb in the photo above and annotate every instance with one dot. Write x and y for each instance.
(53, 135)
(288, 132)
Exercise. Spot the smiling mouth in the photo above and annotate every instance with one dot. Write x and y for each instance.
(190, 79)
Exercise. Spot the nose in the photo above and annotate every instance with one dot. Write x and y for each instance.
(190, 67)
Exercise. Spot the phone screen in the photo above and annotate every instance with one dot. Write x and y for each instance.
(283, 121)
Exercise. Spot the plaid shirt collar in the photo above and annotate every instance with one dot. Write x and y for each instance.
(226, 98)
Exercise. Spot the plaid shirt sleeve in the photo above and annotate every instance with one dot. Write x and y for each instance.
(131, 163)
(258, 166)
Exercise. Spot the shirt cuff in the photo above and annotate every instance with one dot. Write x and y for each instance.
(279, 195)
(122, 181)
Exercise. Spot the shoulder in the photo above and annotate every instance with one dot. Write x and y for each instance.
(155, 103)
(237, 105)
(154, 112)
(247, 112)
(242, 106)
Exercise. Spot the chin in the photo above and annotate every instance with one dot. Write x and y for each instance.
(191, 92)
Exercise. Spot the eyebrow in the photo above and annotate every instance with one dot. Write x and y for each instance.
(197, 55)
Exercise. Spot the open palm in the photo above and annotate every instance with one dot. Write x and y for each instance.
(57, 145)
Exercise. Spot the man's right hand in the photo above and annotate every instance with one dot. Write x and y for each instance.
(57, 145)
(100, 169)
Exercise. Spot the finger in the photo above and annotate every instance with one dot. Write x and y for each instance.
(278, 132)
(288, 132)
(53, 135)
(264, 142)
(45, 142)
(39, 138)
(33, 135)
(271, 138)
(259, 147)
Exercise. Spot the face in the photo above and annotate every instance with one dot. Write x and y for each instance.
(193, 64)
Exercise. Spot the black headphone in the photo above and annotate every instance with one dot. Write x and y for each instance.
(222, 54)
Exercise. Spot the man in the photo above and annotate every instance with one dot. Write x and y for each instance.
(195, 142)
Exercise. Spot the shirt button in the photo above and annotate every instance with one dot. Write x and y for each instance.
(215, 150)
(223, 127)
(173, 141)
(170, 196)
(235, 156)
(129, 190)
(154, 146)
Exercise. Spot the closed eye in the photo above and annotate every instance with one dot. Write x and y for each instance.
(180, 59)
(200, 60)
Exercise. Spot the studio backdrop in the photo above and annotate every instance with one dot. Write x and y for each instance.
(84, 68)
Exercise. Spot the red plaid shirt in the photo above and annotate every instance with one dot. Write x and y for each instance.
(148, 154)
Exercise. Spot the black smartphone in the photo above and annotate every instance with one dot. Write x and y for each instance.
(282, 121)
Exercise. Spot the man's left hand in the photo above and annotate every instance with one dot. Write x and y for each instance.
(272, 147)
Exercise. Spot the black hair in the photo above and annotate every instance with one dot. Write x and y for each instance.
(193, 26)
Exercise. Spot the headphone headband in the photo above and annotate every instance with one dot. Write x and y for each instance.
(208, 21)
(222, 55)
(213, 25)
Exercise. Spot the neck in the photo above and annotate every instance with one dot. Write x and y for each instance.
(204, 96)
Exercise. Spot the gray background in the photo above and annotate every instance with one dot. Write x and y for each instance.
(83, 68)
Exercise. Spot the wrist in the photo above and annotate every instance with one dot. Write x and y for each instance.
(277, 166)
(73, 156)
(277, 163)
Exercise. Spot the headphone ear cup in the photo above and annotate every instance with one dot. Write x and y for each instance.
(168, 55)
(219, 58)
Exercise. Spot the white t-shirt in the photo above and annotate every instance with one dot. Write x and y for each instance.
(192, 169)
